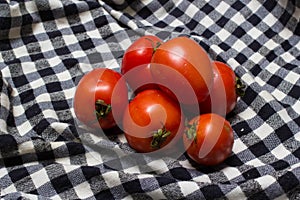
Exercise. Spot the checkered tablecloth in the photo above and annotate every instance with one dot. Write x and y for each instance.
(47, 46)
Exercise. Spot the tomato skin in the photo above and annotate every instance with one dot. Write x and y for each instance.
(222, 98)
(183, 58)
(100, 84)
(138, 56)
(224, 79)
(213, 139)
(149, 111)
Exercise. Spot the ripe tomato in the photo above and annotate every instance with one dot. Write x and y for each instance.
(221, 102)
(208, 139)
(223, 96)
(100, 98)
(184, 63)
(151, 121)
(138, 57)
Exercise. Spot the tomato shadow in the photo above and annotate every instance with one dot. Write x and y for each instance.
(204, 168)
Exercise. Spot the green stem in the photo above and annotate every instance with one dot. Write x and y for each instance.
(191, 131)
(159, 137)
(154, 46)
(239, 87)
(102, 109)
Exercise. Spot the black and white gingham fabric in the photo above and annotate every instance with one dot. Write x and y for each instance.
(46, 47)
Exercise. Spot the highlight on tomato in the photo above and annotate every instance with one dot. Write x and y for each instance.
(153, 121)
(225, 79)
(138, 57)
(100, 98)
(208, 139)
(183, 56)
(223, 96)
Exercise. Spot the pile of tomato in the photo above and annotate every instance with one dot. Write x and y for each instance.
(179, 96)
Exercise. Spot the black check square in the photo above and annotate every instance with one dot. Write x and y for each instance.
(61, 183)
(270, 33)
(53, 87)
(18, 174)
(271, 56)
(29, 39)
(104, 194)
(238, 5)
(280, 165)
(37, 56)
(133, 186)
(5, 45)
(20, 80)
(78, 29)
(41, 126)
(266, 111)
(242, 128)
(54, 34)
(275, 80)
(259, 149)
(295, 92)
(255, 46)
(144, 12)
(296, 153)
(284, 133)
(13, 161)
(180, 174)
(288, 181)
(162, 181)
(46, 72)
(176, 12)
(87, 44)
(192, 24)
(222, 21)
(251, 174)
(46, 15)
(256, 70)
(62, 51)
(241, 58)
(239, 32)
(286, 45)
(70, 9)
(207, 9)
(90, 172)
(224, 46)
(212, 192)
(27, 96)
(254, 20)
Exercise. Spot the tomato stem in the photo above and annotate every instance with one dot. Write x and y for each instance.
(159, 137)
(239, 87)
(191, 131)
(102, 109)
(154, 46)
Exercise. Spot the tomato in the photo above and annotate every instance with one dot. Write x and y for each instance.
(219, 102)
(138, 57)
(223, 96)
(208, 139)
(182, 62)
(152, 121)
(100, 98)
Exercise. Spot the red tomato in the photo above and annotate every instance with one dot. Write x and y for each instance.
(223, 97)
(151, 121)
(208, 139)
(100, 98)
(138, 57)
(182, 62)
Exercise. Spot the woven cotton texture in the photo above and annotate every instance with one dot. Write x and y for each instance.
(47, 46)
